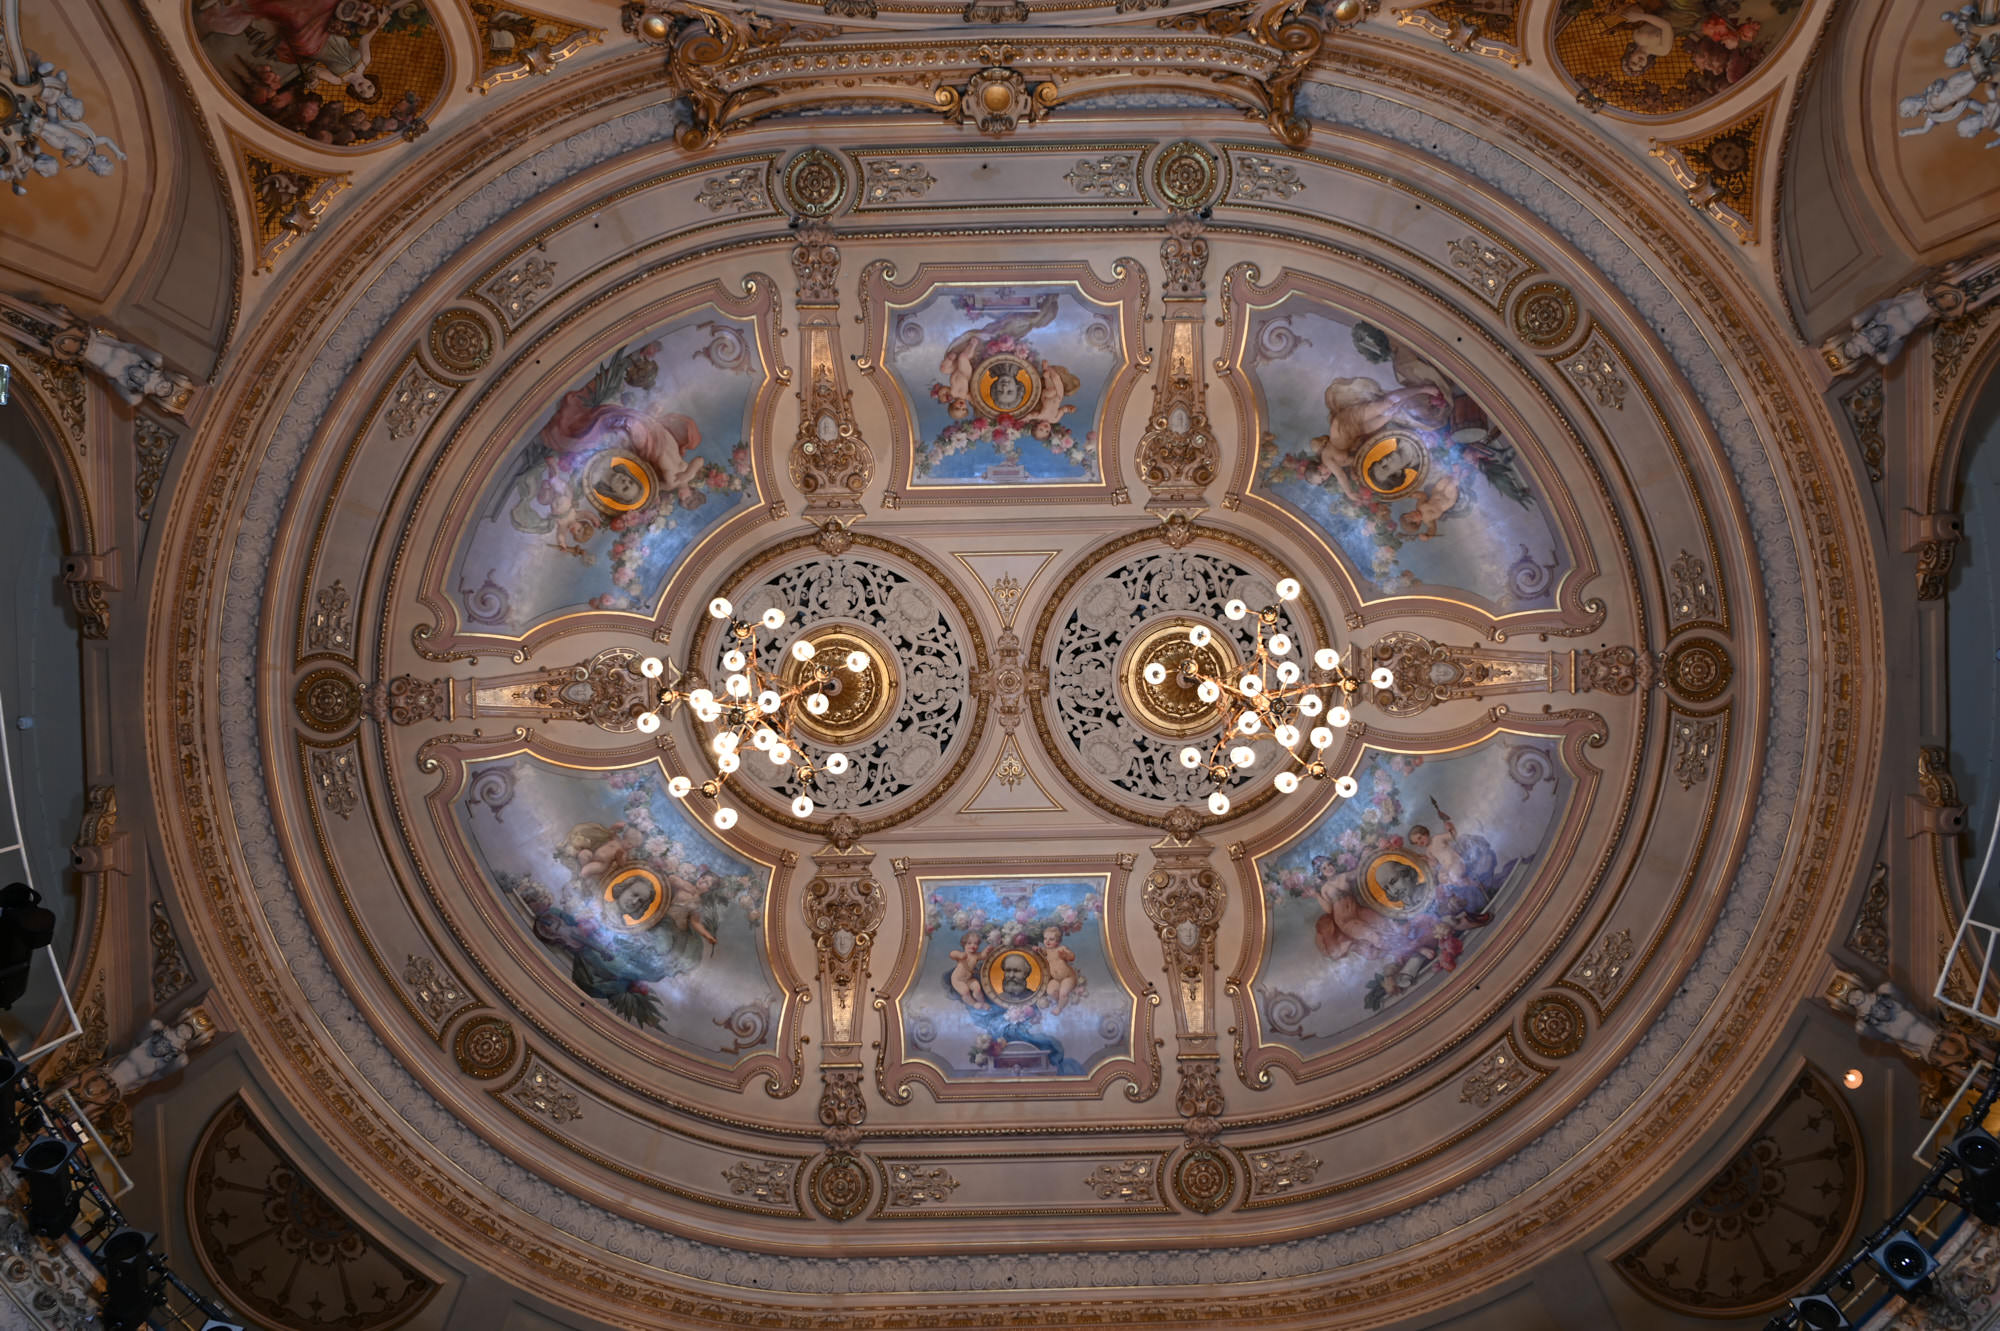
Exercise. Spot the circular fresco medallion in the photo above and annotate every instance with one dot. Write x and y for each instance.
(484, 1047)
(618, 483)
(1397, 882)
(1391, 464)
(1172, 708)
(814, 182)
(1005, 386)
(858, 701)
(1015, 976)
(1545, 314)
(634, 898)
(1185, 175)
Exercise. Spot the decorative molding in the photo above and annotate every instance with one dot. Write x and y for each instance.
(1868, 937)
(1596, 370)
(484, 1047)
(1264, 179)
(1698, 669)
(171, 976)
(1554, 1025)
(743, 188)
(843, 909)
(831, 463)
(1496, 1076)
(152, 444)
(540, 1091)
(286, 200)
(1718, 170)
(1863, 405)
(1693, 598)
(1276, 1172)
(1600, 972)
(1545, 314)
(1131, 1182)
(1696, 740)
(90, 582)
(1112, 176)
(461, 343)
(917, 1185)
(1937, 536)
(516, 43)
(884, 181)
(1485, 267)
(439, 995)
(414, 401)
(517, 291)
(767, 1182)
(331, 625)
(1184, 898)
(1469, 27)
(60, 344)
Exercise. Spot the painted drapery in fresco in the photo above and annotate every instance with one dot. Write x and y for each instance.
(1006, 384)
(647, 914)
(1014, 979)
(340, 73)
(1410, 479)
(1390, 891)
(620, 476)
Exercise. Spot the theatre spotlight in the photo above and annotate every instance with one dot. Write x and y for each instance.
(1978, 1156)
(129, 1290)
(26, 926)
(53, 1199)
(1817, 1312)
(1906, 1264)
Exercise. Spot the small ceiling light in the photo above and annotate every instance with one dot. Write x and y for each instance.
(1853, 1079)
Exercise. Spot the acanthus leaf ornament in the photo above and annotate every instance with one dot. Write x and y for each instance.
(830, 463)
(843, 909)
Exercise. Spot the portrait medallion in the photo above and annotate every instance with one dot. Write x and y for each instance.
(618, 483)
(1392, 464)
(1397, 883)
(1005, 386)
(1014, 976)
(634, 898)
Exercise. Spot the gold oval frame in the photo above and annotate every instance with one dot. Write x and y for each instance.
(635, 923)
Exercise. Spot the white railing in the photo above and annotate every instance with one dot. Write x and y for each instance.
(1977, 947)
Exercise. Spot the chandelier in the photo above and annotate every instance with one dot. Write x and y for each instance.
(1270, 699)
(757, 714)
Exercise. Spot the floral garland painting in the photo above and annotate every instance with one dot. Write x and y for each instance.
(1014, 980)
(624, 472)
(1665, 57)
(1388, 893)
(626, 894)
(1006, 383)
(1407, 475)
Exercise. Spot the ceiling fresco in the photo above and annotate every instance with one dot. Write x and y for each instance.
(647, 1031)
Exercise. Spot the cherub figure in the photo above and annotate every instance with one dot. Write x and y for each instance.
(1060, 962)
(1436, 499)
(964, 975)
(1358, 410)
(684, 902)
(957, 366)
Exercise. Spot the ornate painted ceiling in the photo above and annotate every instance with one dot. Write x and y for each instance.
(1011, 1024)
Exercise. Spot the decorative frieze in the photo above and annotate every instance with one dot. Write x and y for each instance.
(1132, 1182)
(540, 1091)
(331, 625)
(1266, 180)
(436, 991)
(918, 1185)
(1488, 269)
(1695, 739)
(1112, 176)
(1600, 972)
(766, 1182)
(895, 182)
(333, 776)
(1595, 370)
(516, 292)
(1276, 1172)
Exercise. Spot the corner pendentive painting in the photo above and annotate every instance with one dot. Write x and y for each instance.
(650, 917)
(1408, 477)
(626, 470)
(1665, 57)
(1006, 384)
(340, 73)
(1390, 891)
(1014, 979)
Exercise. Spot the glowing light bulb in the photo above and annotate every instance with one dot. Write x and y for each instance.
(1326, 658)
(1288, 672)
(1218, 804)
(710, 713)
(1310, 705)
(1288, 589)
(1383, 678)
(803, 650)
(768, 700)
(734, 659)
(652, 667)
(738, 686)
(1251, 685)
(1281, 644)
(728, 763)
(780, 754)
(1321, 737)
(1853, 1079)
(726, 742)
(701, 697)
(817, 704)
(725, 817)
(802, 807)
(647, 723)
(1287, 736)
(679, 787)
(763, 739)
(1154, 673)
(1208, 690)
(774, 618)
(1345, 786)
(857, 661)
(1249, 723)
(1339, 716)
(836, 763)
(1236, 609)
(1190, 756)
(1286, 782)
(1242, 755)
(1199, 636)
(720, 608)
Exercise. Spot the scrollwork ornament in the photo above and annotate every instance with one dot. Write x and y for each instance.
(1545, 314)
(328, 701)
(815, 182)
(1186, 176)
